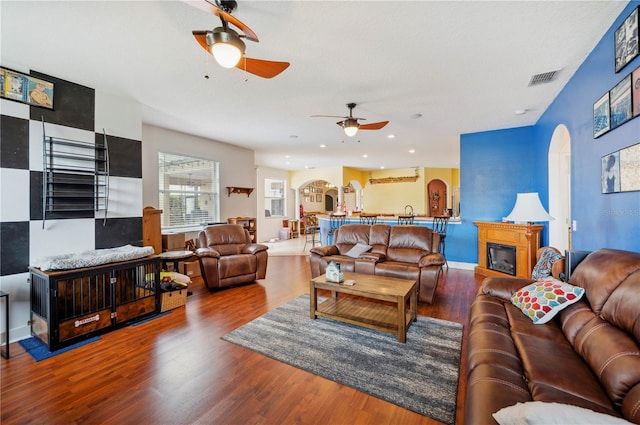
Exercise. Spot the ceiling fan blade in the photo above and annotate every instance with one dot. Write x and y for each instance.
(201, 38)
(373, 126)
(262, 68)
(327, 116)
(212, 8)
(248, 32)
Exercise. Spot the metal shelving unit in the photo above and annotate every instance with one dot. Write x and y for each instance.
(75, 177)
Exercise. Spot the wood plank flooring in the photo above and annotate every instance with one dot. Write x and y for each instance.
(175, 369)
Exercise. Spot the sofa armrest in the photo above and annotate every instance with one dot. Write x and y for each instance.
(431, 259)
(325, 250)
(207, 252)
(503, 287)
(254, 248)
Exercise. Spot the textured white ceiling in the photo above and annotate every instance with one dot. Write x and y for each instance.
(464, 66)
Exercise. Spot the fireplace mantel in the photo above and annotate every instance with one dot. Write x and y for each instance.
(525, 237)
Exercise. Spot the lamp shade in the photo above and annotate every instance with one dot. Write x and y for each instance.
(528, 208)
(350, 127)
(226, 46)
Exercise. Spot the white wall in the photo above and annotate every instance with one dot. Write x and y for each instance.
(236, 167)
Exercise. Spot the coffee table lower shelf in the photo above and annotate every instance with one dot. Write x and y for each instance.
(363, 313)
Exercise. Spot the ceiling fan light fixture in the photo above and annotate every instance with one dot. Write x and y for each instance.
(226, 46)
(350, 127)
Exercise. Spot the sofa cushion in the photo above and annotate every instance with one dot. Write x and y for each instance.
(349, 235)
(408, 244)
(544, 265)
(537, 412)
(359, 248)
(543, 299)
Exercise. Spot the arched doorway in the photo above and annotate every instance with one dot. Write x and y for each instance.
(436, 197)
(560, 188)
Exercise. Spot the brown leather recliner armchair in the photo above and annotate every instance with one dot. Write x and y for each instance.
(228, 257)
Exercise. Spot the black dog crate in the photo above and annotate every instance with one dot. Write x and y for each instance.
(71, 305)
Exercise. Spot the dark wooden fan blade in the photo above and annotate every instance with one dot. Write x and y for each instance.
(340, 123)
(213, 9)
(201, 38)
(262, 68)
(248, 32)
(373, 126)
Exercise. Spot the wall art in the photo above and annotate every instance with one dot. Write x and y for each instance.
(635, 91)
(620, 170)
(601, 123)
(626, 41)
(26, 89)
(620, 101)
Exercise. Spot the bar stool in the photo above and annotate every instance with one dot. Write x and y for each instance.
(440, 223)
(405, 219)
(368, 219)
(335, 221)
(310, 229)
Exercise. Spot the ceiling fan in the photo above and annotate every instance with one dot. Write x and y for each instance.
(226, 45)
(351, 125)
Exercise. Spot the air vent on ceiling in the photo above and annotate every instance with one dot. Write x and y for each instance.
(543, 78)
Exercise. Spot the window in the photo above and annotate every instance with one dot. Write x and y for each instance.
(189, 190)
(274, 198)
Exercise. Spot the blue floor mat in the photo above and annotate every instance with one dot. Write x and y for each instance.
(39, 351)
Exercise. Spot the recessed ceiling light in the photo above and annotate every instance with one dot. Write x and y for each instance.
(412, 151)
(323, 145)
(365, 156)
(520, 111)
(391, 136)
(382, 167)
(287, 156)
(306, 166)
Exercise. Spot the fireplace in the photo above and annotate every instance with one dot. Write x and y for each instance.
(501, 258)
(525, 238)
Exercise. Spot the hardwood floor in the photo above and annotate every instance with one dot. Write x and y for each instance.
(175, 369)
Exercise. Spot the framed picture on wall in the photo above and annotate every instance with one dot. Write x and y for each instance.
(620, 101)
(635, 92)
(15, 86)
(601, 111)
(626, 41)
(26, 89)
(40, 93)
(318, 197)
(621, 170)
(630, 168)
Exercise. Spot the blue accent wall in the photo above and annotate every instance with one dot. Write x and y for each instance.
(603, 220)
(492, 172)
(495, 165)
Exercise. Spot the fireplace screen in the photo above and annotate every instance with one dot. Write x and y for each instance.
(501, 258)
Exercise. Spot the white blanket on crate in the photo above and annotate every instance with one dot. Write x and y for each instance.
(94, 257)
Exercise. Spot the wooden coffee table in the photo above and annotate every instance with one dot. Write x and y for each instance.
(395, 319)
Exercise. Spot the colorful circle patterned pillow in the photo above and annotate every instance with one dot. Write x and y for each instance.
(542, 300)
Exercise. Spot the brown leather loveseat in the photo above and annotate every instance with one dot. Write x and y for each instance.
(586, 357)
(228, 257)
(406, 252)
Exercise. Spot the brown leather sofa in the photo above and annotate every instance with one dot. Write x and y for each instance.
(228, 257)
(406, 252)
(588, 355)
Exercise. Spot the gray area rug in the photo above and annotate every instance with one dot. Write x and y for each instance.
(421, 375)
